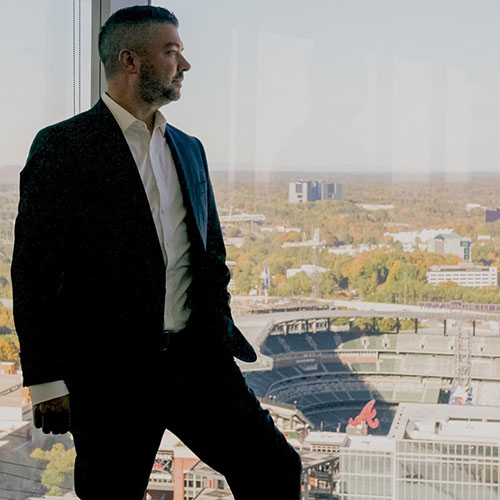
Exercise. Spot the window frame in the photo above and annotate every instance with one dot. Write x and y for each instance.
(101, 10)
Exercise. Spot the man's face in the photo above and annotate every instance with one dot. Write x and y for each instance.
(162, 66)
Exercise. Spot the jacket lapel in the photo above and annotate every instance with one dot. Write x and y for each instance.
(192, 180)
(120, 170)
(189, 169)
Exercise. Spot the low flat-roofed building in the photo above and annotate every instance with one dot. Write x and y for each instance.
(432, 451)
(202, 478)
(326, 442)
(309, 269)
(12, 436)
(15, 401)
(463, 275)
(319, 474)
(214, 494)
(161, 479)
(173, 460)
(289, 420)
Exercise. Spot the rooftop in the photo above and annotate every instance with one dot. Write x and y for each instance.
(464, 267)
(443, 422)
(371, 443)
(448, 236)
(212, 494)
(324, 437)
(315, 458)
(14, 399)
(203, 469)
(14, 428)
(9, 383)
(168, 441)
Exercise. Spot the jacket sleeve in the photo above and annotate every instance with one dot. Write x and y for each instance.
(218, 278)
(38, 261)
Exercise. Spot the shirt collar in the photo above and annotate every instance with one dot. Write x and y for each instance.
(126, 120)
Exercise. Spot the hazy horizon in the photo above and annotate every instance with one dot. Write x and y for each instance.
(9, 174)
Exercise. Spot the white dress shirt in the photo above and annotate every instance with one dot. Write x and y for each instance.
(158, 173)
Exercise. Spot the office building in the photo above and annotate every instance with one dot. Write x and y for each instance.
(451, 244)
(464, 275)
(433, 451)
(492, 215)
(304, 191)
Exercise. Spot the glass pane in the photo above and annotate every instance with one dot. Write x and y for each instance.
(45, 79)
(353, 149)
(42, 86)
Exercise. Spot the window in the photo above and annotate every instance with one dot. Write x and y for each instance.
(395, 120)
(396, 107)
(46, 47)
(49, 76)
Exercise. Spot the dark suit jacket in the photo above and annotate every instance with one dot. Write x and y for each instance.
(88, 273)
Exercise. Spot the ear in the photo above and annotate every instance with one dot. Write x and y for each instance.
(128, 61)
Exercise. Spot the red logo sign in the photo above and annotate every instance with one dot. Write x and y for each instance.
(368, 414)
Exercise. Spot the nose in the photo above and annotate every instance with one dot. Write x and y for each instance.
(183, 63)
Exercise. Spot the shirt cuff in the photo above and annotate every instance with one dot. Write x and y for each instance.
(49, 390)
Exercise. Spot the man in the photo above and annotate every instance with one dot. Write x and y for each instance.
(120, 286)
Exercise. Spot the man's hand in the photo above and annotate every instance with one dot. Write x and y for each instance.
(53, 415)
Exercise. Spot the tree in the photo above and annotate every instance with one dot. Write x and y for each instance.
(60, 463)
(328, 283)
(233, 232)
(9, 348)
(6, 318)
(300, 284)
(347, 239)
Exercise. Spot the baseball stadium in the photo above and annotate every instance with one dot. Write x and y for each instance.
(330, 375)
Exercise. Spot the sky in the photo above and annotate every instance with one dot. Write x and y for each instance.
(323, 85)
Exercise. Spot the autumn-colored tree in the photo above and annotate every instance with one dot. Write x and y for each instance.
(298, 285)
(9, 348)
(388, 274)
(60, 463)
(6, 318)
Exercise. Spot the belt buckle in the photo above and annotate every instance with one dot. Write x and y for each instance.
(165, 339)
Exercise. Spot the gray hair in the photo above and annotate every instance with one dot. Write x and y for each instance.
(129, 28)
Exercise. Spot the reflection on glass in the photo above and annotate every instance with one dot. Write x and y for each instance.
(46, 79)
(387, 292)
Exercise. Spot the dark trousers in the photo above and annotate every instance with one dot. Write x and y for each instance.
(195, 390)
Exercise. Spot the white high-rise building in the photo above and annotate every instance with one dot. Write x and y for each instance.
(304, 191)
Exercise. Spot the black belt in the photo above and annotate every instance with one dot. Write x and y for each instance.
(167, 338)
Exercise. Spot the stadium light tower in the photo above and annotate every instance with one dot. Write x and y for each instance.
(461, 392)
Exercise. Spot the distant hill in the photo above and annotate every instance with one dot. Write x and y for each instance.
(257, 176)
(247, 174)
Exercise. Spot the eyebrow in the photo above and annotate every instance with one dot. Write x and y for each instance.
(175, 44)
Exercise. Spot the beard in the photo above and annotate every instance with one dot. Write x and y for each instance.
(153, 91)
